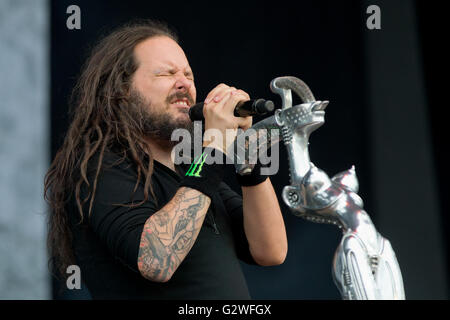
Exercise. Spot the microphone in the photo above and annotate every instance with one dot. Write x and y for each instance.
(243, 109)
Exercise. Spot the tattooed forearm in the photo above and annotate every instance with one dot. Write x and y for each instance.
(170, 233)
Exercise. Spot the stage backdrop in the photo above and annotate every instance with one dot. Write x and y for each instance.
(377, 119)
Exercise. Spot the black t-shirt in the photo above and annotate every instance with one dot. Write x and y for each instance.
(106, 244)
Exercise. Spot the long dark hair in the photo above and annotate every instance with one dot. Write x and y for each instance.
(102, 118)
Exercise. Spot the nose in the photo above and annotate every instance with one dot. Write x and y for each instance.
(182, 83)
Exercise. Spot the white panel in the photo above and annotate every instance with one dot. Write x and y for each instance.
(24, 147)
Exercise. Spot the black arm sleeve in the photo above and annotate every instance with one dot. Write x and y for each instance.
(233, 205)
(119, 227)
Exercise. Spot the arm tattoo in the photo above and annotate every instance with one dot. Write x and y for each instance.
(170, 233)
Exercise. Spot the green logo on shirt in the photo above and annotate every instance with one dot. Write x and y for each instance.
(193, 171)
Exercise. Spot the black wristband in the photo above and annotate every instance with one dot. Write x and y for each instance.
(205, 176)
(252, 179)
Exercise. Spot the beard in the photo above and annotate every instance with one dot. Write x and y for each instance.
(160, 124)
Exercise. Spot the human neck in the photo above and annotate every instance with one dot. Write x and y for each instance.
(161, 152)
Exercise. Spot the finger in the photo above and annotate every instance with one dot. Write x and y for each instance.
(244, 93)
(245, 122)
(223, 93)
(215, 91)
(220, 106)
(234, 98)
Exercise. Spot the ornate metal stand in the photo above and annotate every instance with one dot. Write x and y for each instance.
(364, 265)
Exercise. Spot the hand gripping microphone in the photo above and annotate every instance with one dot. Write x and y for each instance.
(242, 109)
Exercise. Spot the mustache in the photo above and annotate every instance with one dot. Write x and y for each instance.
(181, 95)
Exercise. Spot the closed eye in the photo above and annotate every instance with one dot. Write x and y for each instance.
(189, 75)
(165, 73)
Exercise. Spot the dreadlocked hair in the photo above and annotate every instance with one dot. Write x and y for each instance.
(102, 118)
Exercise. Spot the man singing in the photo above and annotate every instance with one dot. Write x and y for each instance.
(137, 225)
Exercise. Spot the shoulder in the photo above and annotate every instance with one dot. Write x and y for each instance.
(111, 177)
(109, 163)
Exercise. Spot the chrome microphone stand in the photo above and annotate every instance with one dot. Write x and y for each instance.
(364, 266)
